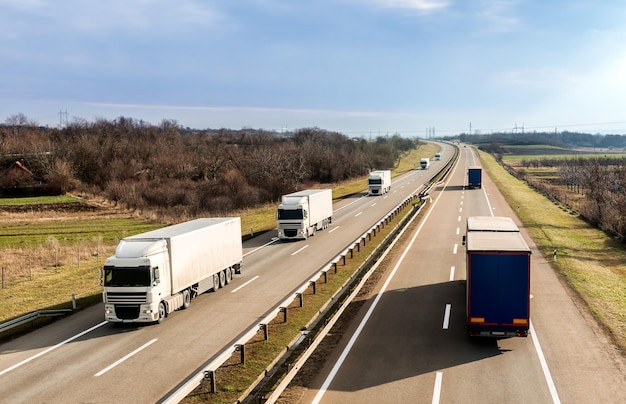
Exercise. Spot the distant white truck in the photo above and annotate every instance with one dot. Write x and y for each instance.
(425, 163)
(302, 213)
(437, 156)
(155, 273)
(379, 182)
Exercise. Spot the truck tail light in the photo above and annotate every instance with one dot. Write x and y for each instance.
(520, 321)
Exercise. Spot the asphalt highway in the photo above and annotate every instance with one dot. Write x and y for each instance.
(409, 342)
(83, 359)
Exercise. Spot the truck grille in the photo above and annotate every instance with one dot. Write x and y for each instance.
(126, 297)
(127, 312)
(291, 233)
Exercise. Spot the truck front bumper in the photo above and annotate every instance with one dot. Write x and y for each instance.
(129, 313)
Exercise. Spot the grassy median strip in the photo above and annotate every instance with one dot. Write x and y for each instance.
(592, 262)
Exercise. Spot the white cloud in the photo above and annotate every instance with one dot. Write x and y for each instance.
(420, 5)
(499, 15)
(113, 16)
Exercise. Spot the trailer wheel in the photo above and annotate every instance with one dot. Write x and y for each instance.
(162, 313)
(222, 279)
(229, 275)
(186, 299)
(216, 282)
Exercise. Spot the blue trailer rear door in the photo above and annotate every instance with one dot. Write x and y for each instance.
(499, 289)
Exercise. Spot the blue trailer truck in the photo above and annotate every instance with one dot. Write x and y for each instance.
(474, 177)
(498, 284)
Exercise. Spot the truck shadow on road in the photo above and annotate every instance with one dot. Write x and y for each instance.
(406, 337)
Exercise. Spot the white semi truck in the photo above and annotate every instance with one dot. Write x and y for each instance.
(154, 273)
(302, 213)
(379, 182)
(425, 163)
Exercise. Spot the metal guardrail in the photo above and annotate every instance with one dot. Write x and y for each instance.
(32, 317)
(209, 368)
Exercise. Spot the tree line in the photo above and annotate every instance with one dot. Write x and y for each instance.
(601, 181)
(180, 171)
(559, 139)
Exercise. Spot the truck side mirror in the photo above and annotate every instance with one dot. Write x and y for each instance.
(463, 240)
(157, 277)
(101, 277)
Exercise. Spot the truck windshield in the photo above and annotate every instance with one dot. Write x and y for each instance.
(375, 181)
(286, 214)
(127, 276)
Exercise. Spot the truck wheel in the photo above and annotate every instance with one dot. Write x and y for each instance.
(161, 313)
(216, 282)
(222, 279)
(186, 299)
(229, 275)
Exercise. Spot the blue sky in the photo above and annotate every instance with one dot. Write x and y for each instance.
(360, 67)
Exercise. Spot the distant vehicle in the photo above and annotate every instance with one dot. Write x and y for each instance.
(302, 213)
(437, 156)
(155, 273)
(425, 163)
(497, 279)
(474, 177)
(379, 182)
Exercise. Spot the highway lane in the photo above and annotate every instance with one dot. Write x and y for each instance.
(409, 342)
(134, 363)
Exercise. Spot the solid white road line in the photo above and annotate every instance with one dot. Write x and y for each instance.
(544, 366)
(111, 366)
(357, 332)
(52, 348)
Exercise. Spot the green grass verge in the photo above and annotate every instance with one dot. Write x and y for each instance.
(71, 231)
(38, 200)
(570, 156)
(593, 263)
(52, 289)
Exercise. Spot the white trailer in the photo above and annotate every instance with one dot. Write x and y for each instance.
(154, 273)
(302, 213)
(379, 182)
(425, 163)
